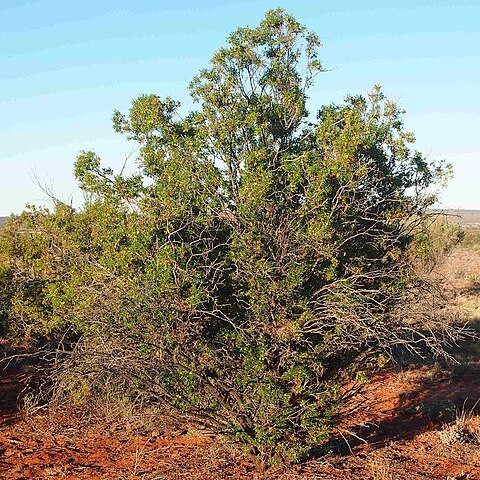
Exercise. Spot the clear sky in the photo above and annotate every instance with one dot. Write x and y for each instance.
(65, 66)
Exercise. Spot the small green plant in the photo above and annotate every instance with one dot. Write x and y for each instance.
(438, 409)
(29, 403)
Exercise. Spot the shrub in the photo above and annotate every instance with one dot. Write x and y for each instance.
(254, 263)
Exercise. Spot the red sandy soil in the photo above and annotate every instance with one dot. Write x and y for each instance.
(398, 417)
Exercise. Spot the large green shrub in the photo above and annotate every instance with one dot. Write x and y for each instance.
(255, 260)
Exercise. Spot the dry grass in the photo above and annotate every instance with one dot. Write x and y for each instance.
(459, 273)
(380, 469)
(465, 428)
(471, 239)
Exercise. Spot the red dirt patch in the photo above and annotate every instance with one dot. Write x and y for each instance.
(395, 416)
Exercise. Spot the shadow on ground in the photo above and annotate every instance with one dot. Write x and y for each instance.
(403, 403)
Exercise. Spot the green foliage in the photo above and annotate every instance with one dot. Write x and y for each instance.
(253, 261)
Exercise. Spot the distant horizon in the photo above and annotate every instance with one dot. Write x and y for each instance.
(66, 67)
(3, 218)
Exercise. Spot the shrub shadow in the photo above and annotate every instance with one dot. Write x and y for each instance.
(431, 395)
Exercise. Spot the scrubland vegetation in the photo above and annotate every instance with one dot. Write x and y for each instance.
(255, 269)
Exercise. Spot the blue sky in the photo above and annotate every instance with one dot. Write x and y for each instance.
(65, 66)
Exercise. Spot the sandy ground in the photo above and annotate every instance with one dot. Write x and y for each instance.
(398, 417)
